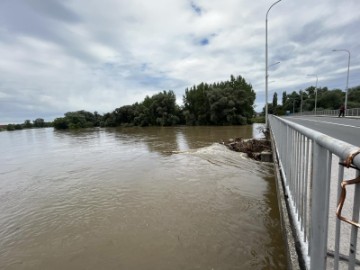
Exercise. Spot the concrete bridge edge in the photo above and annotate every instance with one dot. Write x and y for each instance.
(294, 256)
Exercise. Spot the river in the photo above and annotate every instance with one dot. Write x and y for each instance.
(136, 198)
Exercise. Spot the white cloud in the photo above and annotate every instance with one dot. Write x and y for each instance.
(60, 56)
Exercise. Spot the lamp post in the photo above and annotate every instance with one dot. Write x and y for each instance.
(266, 63)
(315, 75)
(348, 71)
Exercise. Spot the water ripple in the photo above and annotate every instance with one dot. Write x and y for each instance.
(112, 199)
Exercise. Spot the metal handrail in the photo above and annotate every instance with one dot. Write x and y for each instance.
(339, 148)
(305, 160)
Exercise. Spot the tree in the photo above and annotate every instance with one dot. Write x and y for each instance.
(275, 100)
(39, 122)
(60, 123)
(224, 103)
(331, 99)
(78, 119)
(284, 98)
(27, 124)
(354, 97)
(161, 109)
(10, 127)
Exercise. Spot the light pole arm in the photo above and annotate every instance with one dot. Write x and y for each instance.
(271, 7)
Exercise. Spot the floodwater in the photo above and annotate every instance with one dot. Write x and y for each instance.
(136, 198)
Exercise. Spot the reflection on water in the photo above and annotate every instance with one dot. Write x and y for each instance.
(118, 199)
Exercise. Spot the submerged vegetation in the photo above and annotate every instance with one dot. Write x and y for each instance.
(37, 123)
(225, 103)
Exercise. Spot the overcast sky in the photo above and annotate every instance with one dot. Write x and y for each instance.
(67, 55)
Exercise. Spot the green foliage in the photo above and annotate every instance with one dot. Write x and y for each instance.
(284, 97)
(354, 97)
(157, 110)
(326, 99)
(161, 109)
(275, 100)
(78, 119)
(10, 127)
(225, 103)
(60, 123)
(331, 99)
(39, 123)
(27, 124)
(259, 120)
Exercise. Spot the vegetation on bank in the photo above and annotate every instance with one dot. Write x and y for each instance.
(326, 100)
(37, 123)
(224, 103)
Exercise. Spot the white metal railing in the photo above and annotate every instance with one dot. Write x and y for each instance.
(348, 112)
(312, 177)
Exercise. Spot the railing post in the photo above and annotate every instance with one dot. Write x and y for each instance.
(308, 158)
(354, 230)
(319, 207)
(338, 223)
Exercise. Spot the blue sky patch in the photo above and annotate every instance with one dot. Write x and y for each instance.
(204, 42)
(196, 8)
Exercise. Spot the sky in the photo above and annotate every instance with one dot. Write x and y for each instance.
(67, 55)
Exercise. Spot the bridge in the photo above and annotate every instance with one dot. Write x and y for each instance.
(318, 179)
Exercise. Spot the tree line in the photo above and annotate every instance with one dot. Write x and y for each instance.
(229, 102)
(224, 103)
(304, 100)
(37, 123)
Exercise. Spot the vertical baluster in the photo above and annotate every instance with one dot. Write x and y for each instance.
(354, 229)
(298, 193)
(296, 172)
(307, 162)
(320, 207)
(287, 157)
(338, 222)
(302, 177)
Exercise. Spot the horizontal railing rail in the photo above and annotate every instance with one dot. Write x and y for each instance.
(348, 112)
(312, 177)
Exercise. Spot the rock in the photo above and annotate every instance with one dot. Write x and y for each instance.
(254, 148)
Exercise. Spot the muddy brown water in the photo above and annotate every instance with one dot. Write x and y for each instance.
(136, 198)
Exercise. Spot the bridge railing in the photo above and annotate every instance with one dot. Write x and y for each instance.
(312, 176)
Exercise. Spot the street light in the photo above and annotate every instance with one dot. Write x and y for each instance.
(348, 71)
(266, 63)
(315, 75)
